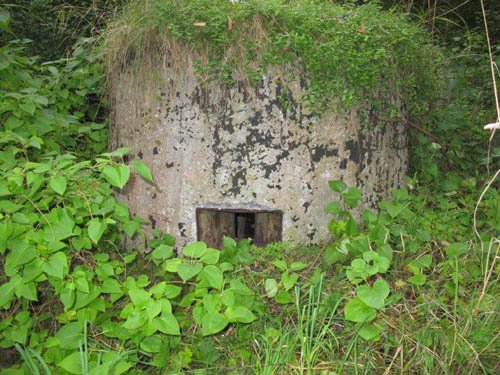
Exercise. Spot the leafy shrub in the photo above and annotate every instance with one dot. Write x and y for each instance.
(61, 231)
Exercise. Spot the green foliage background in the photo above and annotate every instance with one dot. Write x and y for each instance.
(419, 278)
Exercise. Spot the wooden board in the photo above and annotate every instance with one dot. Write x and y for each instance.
(268, 228)
(214, 225)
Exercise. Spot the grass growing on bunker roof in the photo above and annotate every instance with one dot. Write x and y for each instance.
(350, 56)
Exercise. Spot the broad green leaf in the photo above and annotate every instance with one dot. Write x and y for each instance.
(357, 311)
(20, 218)
(27, 290)
(124, 173)
(198, 314)
(157, 290)
(379, 234)
(370, 332)
(28, 107)
(422, 262)
(288, 280)
(9, 207)
(20, 254)
(187, 300)
(72, 363)
(151, 344)
(136, 320)
(70, 335)
(163, 252)
(283, 297)
(456, 249)
(385, 251)
(400, 194)
(143, 170)
(333, 208)
(391, 207)
(337, 186)
(82, 285)
(111, 286)
(212, 302)
(374, 296)
(172, 265)
(239, 314)
(333, 254)
(226, 266)
(58, 184)
(297, 266)
(172, 291)
(4, 188)
(167, 324)
(68, 297)
(96, 229)
(119, 152)
(280, 264)
(82, 298)
(211, 256)
(271, 287)
(418, 279)
(228, 298)
(195, 249)
(102, 369)
(239, 288)
(7, 291)
(117, 175)
(352, 197)
(56, 265)
(375, 263)
(351, 228)
(187, 271)
(138, 296)
(213, 323)
(213, 276)
(166, 306)
(153, 308)
(62, 227)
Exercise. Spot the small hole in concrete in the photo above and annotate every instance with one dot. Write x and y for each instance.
(262, 227)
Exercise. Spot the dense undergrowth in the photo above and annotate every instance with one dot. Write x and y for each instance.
(413, 290)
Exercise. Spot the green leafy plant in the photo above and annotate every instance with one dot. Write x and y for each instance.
(280, 290)
(343, 50)
(314, 327)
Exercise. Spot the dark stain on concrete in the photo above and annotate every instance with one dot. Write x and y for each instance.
(321, 151)
(306, 206)
(153, 221)
(354, 152)
(182, 229)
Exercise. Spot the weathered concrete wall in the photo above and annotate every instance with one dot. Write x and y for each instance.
(240, 148)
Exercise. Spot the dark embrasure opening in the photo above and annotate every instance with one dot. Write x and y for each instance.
(262, 227)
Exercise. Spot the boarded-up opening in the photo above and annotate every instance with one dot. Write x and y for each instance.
(262, 227)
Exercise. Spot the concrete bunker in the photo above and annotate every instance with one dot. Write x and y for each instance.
(220, 155)
(251, 159)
